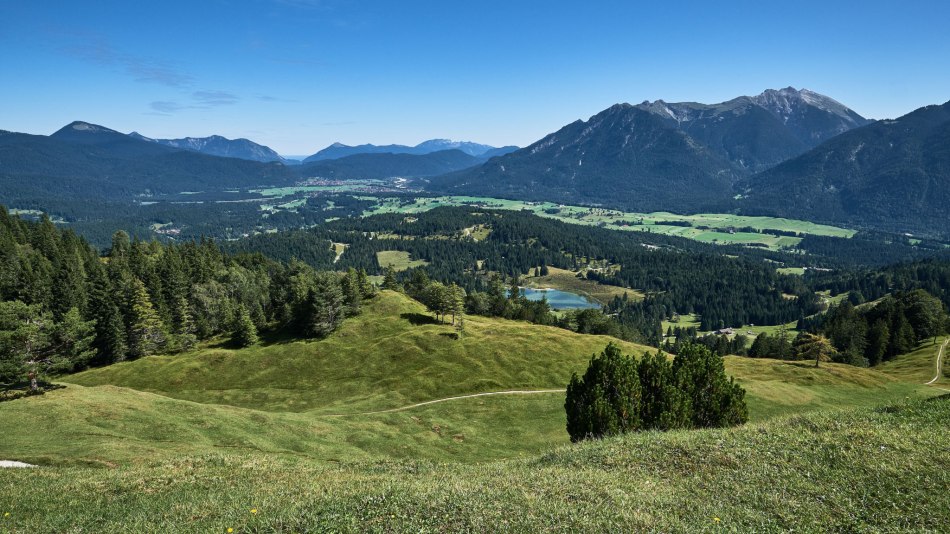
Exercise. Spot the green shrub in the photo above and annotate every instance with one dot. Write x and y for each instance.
(619, 394)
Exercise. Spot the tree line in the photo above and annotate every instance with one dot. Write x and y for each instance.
(63, 307)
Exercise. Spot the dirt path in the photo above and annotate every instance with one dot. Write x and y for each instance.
(939, 358)
(426, 403)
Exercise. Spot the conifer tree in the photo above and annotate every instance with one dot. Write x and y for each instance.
(456, 302)
(244, 333)
(662, 406)
(606, 400)
(185, 329)
(326, 305)
(389, 279)
(110, 342)
(352, 292)
(146, 333)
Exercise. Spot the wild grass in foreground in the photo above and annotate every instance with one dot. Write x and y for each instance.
(882, 469)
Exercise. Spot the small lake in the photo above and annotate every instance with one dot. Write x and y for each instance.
(560, 300)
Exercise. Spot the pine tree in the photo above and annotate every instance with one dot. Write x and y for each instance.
(662, 405)
(146, 333)
(367, 289)
(244, 333)
(389, 279)
(326, 305)
(814, 347)
(73, 342)
(185, 329)
(110, 341)
(456, 302)
(713, 399)
(878, 336)
(606, 400)
(352, 291)
(514, 289)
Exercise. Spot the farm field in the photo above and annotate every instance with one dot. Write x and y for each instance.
(719, 228)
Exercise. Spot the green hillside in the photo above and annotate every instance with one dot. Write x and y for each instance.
(392, 355)
(309, 398)
(832, 471)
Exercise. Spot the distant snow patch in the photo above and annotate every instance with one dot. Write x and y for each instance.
(12, 463)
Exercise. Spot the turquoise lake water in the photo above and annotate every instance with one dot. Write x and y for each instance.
(560, 300)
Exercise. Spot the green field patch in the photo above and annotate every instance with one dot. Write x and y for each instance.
(399, 260)
(919, 366)
(705, 227)
(796, 271)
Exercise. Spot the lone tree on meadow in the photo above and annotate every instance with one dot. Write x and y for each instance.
(619, 394)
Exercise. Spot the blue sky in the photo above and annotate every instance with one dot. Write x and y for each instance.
(298, 75)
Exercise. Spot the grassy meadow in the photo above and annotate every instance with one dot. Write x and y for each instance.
(321, 399)
(399, 260)
(322, 435)
(827, 471)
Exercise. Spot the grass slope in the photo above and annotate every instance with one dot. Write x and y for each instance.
(286, 398)
(391, 355)
(865, 470)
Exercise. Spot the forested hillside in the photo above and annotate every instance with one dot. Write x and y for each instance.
(893, 175)
(84, 161)
(678, 275)
(63, 308)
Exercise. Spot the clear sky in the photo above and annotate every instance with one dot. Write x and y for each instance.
(297, 75)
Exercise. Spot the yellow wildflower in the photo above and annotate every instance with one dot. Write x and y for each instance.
(230, 530)
(254, 510)
(716, 519)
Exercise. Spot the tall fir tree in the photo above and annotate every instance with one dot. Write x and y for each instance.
(146, 334)
(244, 333)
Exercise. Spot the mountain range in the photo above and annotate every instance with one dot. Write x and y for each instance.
(339, 150)
(661, 156)
(892, 175)
(389, 165)
(789, 153)
(216, 145)
(88, 161)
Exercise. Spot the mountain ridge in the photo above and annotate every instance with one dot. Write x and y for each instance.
(216, 145)
(339, 150)
(660, 156)
(893, 175)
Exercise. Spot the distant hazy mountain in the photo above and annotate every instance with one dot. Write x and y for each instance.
(388, 165)
(661, 156)
(88, 161)
(891, 175)
(339, 150)
(219, 146)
